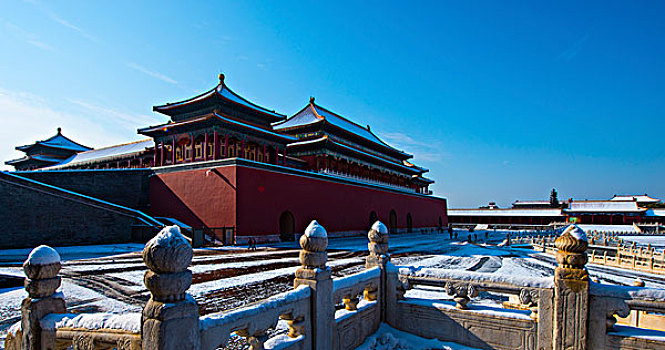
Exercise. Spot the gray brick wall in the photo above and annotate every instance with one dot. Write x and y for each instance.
(32, 215)
(128, 188)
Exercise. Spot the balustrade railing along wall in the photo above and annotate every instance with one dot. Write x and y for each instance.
(564, 312)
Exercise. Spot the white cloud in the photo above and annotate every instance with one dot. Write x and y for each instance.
(425, 150)
(27, 36)
(27, 118)
(153, 74)
(71, 26)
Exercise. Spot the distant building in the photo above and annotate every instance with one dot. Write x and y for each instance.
(54, 150)
(611, 212)
(640, 199)
(532, 204)
(597, 212)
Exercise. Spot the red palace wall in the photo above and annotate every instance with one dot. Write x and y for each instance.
(253, 198)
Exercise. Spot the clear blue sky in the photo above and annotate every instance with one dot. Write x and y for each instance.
(500, 100)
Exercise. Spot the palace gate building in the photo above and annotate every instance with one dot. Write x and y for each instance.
(238, 170)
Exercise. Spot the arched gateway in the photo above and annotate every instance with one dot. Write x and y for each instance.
(287, 226)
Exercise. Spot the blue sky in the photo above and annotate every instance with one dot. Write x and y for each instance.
(500, 100)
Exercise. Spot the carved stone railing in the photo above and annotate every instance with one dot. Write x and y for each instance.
(360, 313)
(101, 331)
(46, 325)
(646, 259)
(607, 302)
(255, 320)
(560, 313)
(473, 325)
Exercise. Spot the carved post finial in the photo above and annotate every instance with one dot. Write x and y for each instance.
(377, 246)
(170, 319)
(315, 274)
(571, 253)
(571, 291)
(314, 243)
(167, 256)
(41, 269)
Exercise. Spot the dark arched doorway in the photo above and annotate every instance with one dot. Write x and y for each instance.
(409, 223)
(372, 219)
(393, 221)
(287, 226)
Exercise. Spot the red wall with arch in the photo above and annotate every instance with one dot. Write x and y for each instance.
(253, 198)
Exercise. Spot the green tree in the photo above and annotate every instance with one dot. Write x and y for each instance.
(554, 199)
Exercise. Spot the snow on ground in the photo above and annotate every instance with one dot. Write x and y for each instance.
(657, 242)
(388, 338)
(279, 262)
(608, 228)
(18, 256)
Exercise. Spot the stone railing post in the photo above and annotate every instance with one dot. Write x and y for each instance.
(41, 269)
(171, 317)
(379, 257)
(571, 291)
(315, 274)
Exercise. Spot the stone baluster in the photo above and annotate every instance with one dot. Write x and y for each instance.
(170, 319)
(571, 291)
(41, 269)
(388, 290)
(255, 340)
(462, 293)
(315, 274)
(350, 302)
(529, 299)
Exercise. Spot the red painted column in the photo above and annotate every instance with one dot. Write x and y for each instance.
(205, 146)
(242, 147)
(325, 162)
(284, 154)
(191, 148)
(161, 150)
(215, 146)
(154, 157)
(226, 145)
(173, 152)
(264, 154)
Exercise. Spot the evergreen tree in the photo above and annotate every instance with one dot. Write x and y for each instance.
(554, 199)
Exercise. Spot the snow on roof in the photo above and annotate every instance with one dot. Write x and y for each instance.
(519, 202)
(504, 212)
(639, 198)
(58, 141)
(314, 113)
(222, 90)
(106, 152)
(603, 206)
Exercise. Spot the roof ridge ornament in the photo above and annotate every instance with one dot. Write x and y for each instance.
(221, 78)
(311, 99)
(59, 130)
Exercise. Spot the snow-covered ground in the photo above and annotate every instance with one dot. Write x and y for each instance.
(657, 242)
(226, 278)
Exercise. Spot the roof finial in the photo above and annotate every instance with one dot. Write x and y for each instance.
(221, 78)
(368, 127)
(59, 130)
(311, 99)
